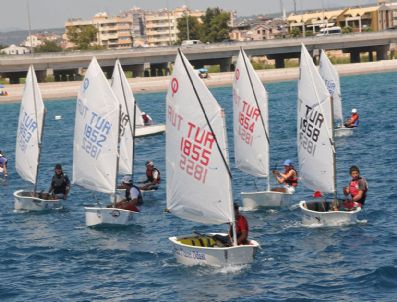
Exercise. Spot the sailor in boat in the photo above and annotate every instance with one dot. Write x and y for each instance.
(242, 230)
(133, 196)
(147, 120)
(357, 189)
(3, 164)
(60, 184)
(353, 121)
(152, 177)
(289, 179)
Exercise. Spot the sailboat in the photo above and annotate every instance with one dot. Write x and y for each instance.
(251, 133)
(316, 148)
(331, 78)
(28, 148)
(197, 168)
(143, 130)
(96, 145)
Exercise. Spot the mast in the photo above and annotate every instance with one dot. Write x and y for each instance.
(332, 141)
(39, 136)
(118, 157)
(260, 113)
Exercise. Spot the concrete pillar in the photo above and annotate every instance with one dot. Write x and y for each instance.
(158, 69)
(14, 78)
(137, 70)
(280, 62)
(370, 56)
(224, 64)
(381, 52)
(355, 56)
(41, 75)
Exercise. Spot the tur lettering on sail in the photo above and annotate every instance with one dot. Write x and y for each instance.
(310, 128)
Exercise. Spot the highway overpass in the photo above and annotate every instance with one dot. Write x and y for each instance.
(156, 61)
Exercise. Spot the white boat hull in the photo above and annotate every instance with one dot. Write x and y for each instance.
(343, 131)
(95, 216)
(320, 217)
(23, 200)
(149, 130)
(253, 200)
(213, 256)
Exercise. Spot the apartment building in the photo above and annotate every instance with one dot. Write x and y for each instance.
(161, 26)
(113, 32)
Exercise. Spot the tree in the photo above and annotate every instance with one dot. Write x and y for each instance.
(194, 29)
(215, 25)
(295, 32)
(82, 35)
(346, 30)
(48, 46)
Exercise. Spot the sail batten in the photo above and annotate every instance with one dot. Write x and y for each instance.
(314, 129)
(30, 127)
(96, 133)
(198, 182)
(250, 120)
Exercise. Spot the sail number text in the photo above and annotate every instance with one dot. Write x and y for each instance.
(27, 127)
(196, 151)
(96, 131)
(247, 118)
(309, 129)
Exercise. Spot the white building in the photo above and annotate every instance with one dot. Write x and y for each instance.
(14, 50)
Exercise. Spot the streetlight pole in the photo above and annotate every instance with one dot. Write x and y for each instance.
(187, 22)
(30, 28)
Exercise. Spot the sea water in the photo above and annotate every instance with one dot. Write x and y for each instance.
(53, 256)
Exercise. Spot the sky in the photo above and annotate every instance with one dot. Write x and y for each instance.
(53, 13)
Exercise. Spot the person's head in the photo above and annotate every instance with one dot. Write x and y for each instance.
(354, 110)
(354, 172)
(143, 113)
(287, 164)
(58, 169)
(149, 165)
(1, 153)
(127, 180)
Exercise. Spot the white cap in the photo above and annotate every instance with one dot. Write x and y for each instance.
(143, 112)
(354, 110)
(127, 179)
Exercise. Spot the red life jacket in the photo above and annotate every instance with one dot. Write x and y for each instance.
(293, 180)
(150, 177)
(354, 188)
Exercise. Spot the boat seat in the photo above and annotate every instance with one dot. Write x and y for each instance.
(198, 241)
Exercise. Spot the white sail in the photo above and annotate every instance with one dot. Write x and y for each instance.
(314, 128)
(138, 119)
(123, 92)
(250, 123)
(198, 183)
(30, 127)
(96, 133)
(331, 77)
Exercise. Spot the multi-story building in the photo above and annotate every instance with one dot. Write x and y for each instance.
(35, 40)
(161, 26)
(113, 32)
(374, 18)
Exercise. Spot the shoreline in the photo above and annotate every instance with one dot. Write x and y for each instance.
(67, 90)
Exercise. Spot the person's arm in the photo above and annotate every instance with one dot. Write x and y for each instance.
(67, 189)
(358, 196)
(281, 177)
(51, 188)
(5, 169)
